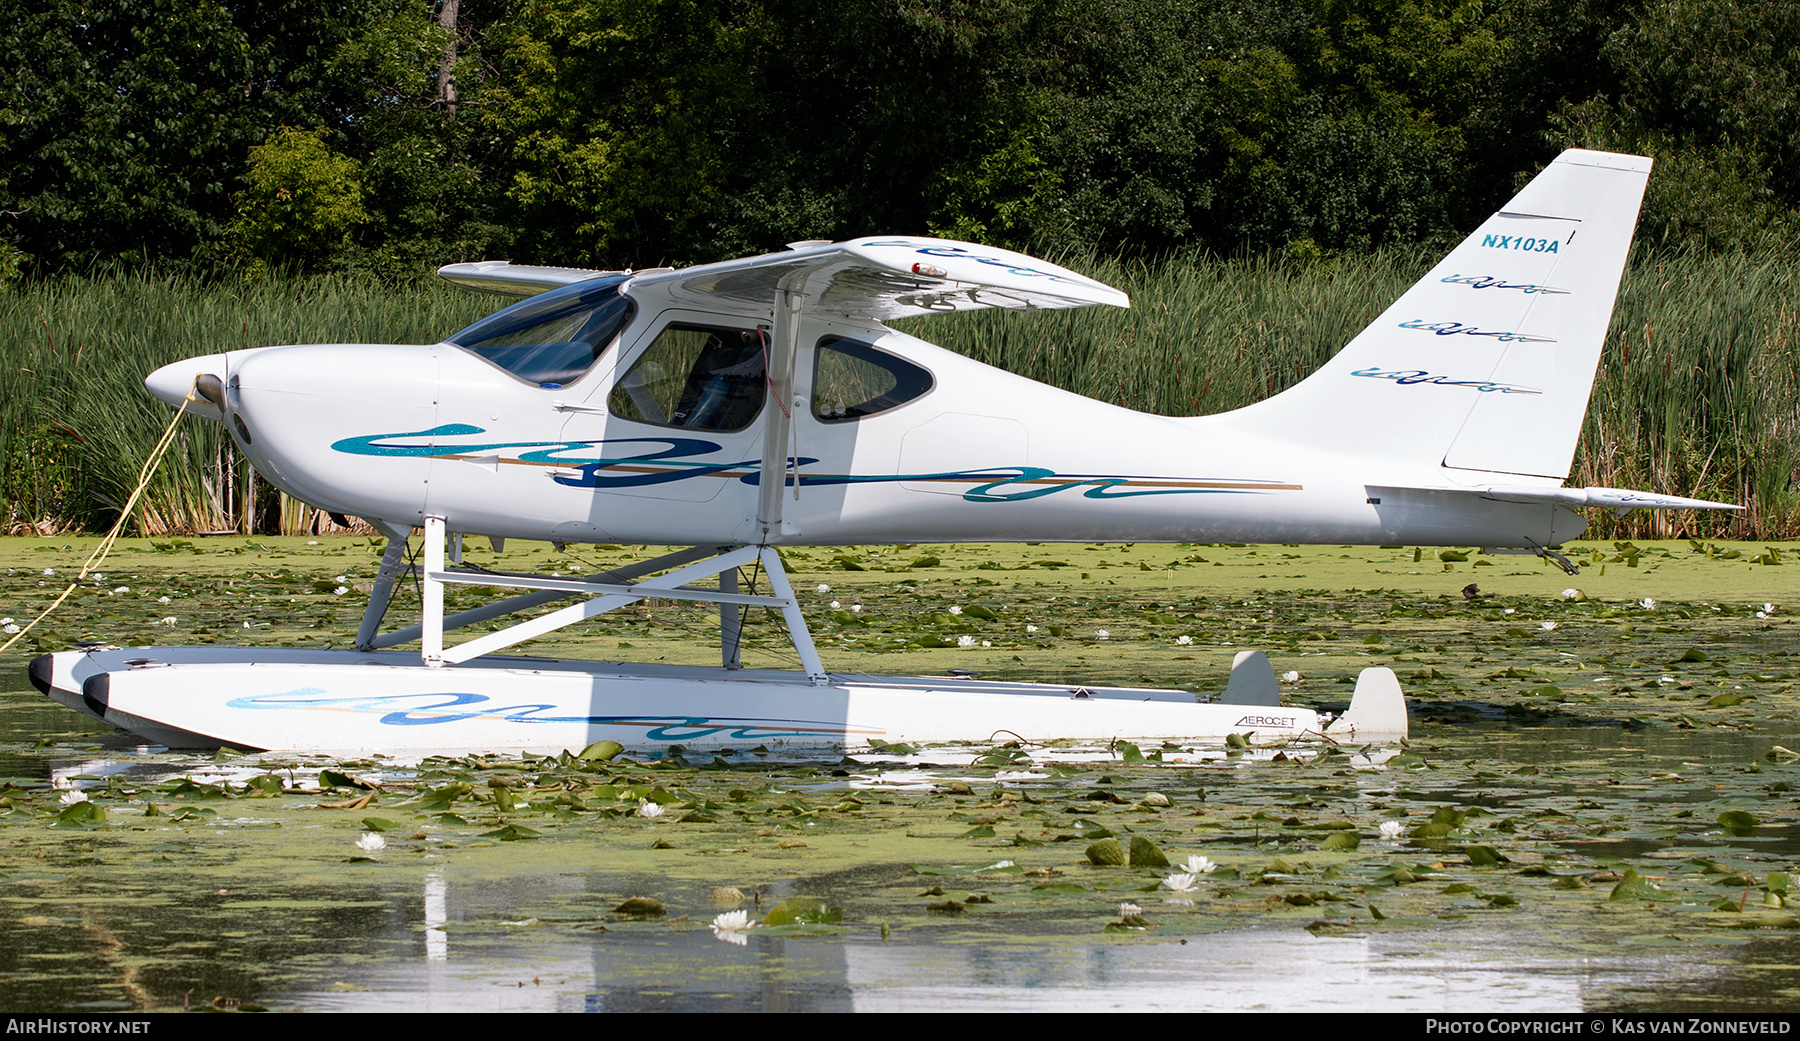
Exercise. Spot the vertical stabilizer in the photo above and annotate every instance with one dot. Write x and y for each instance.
(1377, 709)
(1252, 681)
(1487, 362)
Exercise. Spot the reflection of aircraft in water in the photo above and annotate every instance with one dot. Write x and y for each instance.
(1071, 967)
(737, 407)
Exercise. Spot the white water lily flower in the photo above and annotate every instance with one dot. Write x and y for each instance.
(650, 810)
(1546, 626)
(1130, 910)
(1391, 830)
(1667, 679)
(9, 628)
(371, 842)
(340, 590)
(1102, 634)
(1031, 628)
(1647, 604)
(987, 643)
(70, 798)
(341, 579)
(823, 588)
(835, 605)
(163, 600)
(1570, 594)
(1183, 641)
(168, 619)
(1180, 883)
(246, 625)
(965, 641)
(856, 609)
(1199, 866)
(997, 865)
(1510, 610)
(1290, 676)
(122, 589)
(1768, 608)
(731, 927)
(955, 610)
(49, 571)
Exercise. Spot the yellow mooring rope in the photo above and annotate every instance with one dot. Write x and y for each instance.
(98, 557)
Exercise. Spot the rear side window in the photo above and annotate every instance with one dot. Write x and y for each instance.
(852, 380)
(553, 338)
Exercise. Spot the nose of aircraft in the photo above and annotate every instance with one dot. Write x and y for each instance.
(172, 383)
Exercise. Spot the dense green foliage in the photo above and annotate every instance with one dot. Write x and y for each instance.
(637, 132)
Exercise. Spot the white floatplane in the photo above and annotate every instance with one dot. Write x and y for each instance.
(737, 407)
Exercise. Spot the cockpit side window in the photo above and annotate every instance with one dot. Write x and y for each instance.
(553, 338)
(852, 380)
(696, 377)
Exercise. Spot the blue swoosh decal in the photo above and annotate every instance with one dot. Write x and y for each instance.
(670, 459)
(430, 709)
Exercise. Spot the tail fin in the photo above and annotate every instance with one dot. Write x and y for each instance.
(1487, 363)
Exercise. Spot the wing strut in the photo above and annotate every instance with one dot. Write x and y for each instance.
(603, 593)
(784, 350)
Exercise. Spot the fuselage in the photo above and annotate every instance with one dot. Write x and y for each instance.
(967, 452)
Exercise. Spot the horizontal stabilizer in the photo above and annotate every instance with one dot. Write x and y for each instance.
(504, 278)
(1605, 498)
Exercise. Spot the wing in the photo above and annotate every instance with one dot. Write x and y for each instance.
(884, 277)
(504, 278)
(880, 277)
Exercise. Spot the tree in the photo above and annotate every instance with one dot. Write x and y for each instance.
(301, 205)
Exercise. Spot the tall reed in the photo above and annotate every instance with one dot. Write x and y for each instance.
(76, 421)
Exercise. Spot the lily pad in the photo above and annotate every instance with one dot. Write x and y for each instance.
(601, 751)
(335, 779)
(511, 833)
(1485, 856)
(1632, 886)
(1106, 853)
(1143, 853)
(803, 910)
(642, 907)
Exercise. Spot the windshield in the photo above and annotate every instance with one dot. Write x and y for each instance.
(554, 337)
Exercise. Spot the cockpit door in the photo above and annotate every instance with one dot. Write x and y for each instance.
(678, 418)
